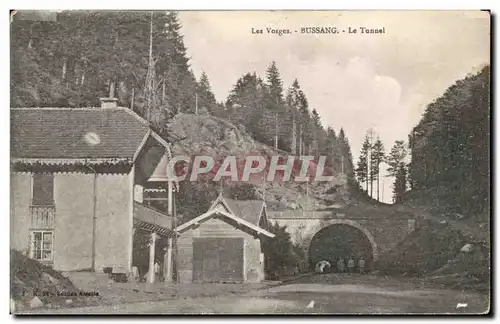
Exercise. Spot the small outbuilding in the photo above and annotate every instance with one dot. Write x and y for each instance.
(224, 244)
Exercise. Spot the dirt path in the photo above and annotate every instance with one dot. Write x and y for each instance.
(325, 294)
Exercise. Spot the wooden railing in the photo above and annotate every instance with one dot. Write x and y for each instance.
(42, 217)
(152, 216)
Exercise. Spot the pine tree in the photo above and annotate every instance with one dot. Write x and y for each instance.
(305, 124)
(398, 168)
(275, 98)
(204, 85)
(330, 148)
(246, 106)
(318, 130)
(378, 155)
(399, 187)
(150, 87)
(361, 171)
(362, 168)
(205, 97)
(346, 157)
(173, 64)
(349, 164)
(396, 156)
(293, 104)
(275, 86)
(370, 135)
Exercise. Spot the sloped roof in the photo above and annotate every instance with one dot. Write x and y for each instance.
(221, 211)
(244, 212)
(248, 210)
(76, 133)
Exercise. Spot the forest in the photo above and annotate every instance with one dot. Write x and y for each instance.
(450, 147)
(446, 158)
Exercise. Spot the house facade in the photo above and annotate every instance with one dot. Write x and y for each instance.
(224, 244)
(77, 180)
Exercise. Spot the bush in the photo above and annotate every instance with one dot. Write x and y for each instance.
(425, 250)
(282, 257)
(241, 191)
(194, 199)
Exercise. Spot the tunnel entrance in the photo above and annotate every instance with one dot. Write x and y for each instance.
(340, 241)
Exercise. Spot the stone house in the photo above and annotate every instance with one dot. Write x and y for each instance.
(77, 180)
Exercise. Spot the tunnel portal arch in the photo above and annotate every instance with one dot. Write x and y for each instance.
(331, 223)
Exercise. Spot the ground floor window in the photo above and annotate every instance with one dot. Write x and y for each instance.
(41, 245)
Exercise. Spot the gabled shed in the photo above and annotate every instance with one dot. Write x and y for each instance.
(224, 244)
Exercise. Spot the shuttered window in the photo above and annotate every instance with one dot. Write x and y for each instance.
(43, 189)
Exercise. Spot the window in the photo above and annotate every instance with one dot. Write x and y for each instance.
(43, 189)
(41, 245)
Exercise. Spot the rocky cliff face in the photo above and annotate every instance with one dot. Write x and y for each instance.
(218, 138)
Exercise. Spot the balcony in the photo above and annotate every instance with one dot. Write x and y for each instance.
(42, 217)
(151, 219)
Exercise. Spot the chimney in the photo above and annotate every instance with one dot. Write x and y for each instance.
(109, 102)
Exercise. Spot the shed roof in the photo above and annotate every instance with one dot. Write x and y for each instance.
(245, 212)
(249, 210)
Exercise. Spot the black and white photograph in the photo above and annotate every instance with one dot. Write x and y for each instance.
(290, 162)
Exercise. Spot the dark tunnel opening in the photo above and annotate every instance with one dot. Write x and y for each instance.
(340, 241)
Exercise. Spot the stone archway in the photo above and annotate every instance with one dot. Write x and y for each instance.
(354, 224)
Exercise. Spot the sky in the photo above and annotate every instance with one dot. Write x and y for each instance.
(355, 81)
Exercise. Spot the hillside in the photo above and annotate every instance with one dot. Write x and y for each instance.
(218, 138)
(450, 181)
(442, 254)
(450, 149)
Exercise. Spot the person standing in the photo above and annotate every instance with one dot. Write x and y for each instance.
(340, 265)
(157, 271)
(361, 265)
(350, 265)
